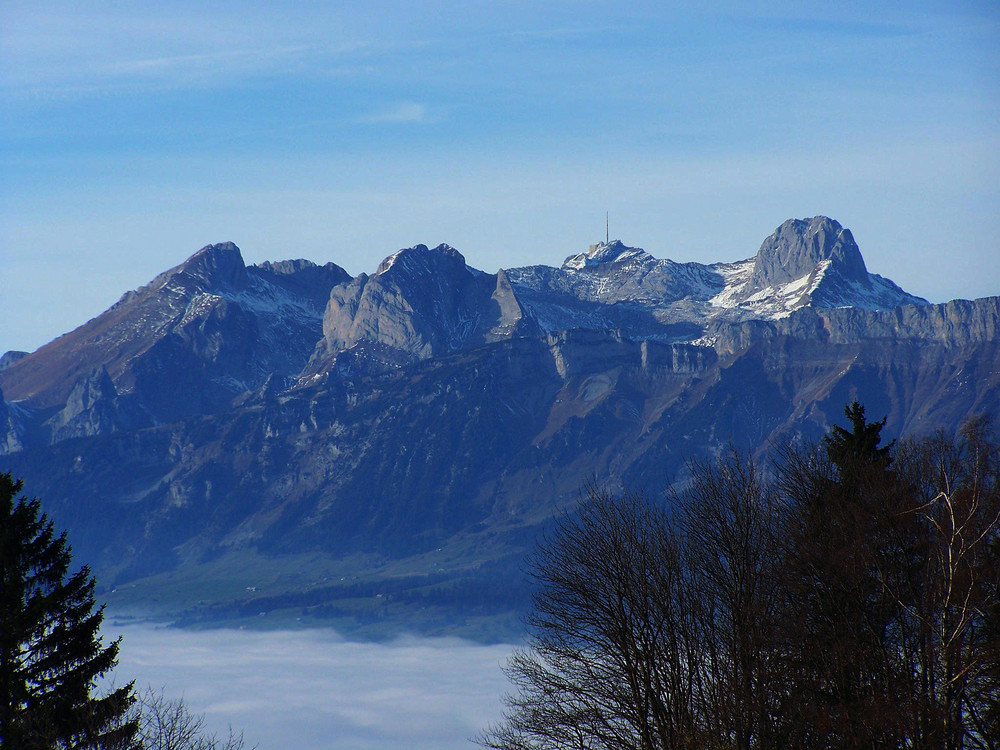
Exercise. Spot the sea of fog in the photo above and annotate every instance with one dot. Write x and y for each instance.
(313, 690)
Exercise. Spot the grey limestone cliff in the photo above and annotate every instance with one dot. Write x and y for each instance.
(420, 303)
(799, 245)
(419, 425)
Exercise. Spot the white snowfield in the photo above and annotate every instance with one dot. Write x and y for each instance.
(611, 280)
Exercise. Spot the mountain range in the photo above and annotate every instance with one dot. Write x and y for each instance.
(287, 442)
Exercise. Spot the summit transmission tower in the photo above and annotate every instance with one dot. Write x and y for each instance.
(607, 227)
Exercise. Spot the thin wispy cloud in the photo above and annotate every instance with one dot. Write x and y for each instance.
(229, 58)
(403, 112)
(214, 68)
(568, 32)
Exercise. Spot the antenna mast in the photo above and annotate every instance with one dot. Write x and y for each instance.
(607, 225)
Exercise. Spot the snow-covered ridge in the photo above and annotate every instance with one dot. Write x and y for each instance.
(211, 328)
(772, 302)
(433, 297)
(609, 252)
(810, 262)
(735, 277)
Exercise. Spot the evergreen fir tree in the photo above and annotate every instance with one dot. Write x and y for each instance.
(844, 514)
(859, 446)
(51, 653)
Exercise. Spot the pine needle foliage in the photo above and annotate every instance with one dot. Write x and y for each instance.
(51, 655)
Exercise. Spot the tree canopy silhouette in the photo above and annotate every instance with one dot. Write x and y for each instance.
(849, 597)
(51, 654)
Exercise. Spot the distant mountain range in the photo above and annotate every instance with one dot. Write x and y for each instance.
(380, 451)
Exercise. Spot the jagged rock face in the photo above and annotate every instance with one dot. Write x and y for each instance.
(12, 428)
(498, 437)
(804, 263)
(799, 245)
(953, 325)
(813, 262)
(216, 267)
(186, 343)
(504, 315)
(302, 279)
(420, 303)
(93, 408)
(446, 406)
(213, 329)
(10, 358)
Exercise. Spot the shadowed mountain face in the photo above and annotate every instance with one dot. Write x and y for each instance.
(410, 431)
(187, 343)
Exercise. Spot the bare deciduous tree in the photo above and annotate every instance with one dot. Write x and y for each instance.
(949, 599)
(612, 659)
(168, 724)
(851, 602)
(729, 518)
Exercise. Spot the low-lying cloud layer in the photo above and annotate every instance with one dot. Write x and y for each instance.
(306, 690)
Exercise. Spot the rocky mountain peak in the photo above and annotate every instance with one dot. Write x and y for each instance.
(799, 245)
(218, 267)
(288, 267)
(420, 303)
(419, 260)
(302, 278)
(614, 251)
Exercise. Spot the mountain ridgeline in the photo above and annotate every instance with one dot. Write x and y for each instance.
(384, 448)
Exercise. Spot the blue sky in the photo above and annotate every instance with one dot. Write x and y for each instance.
(131, 134)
